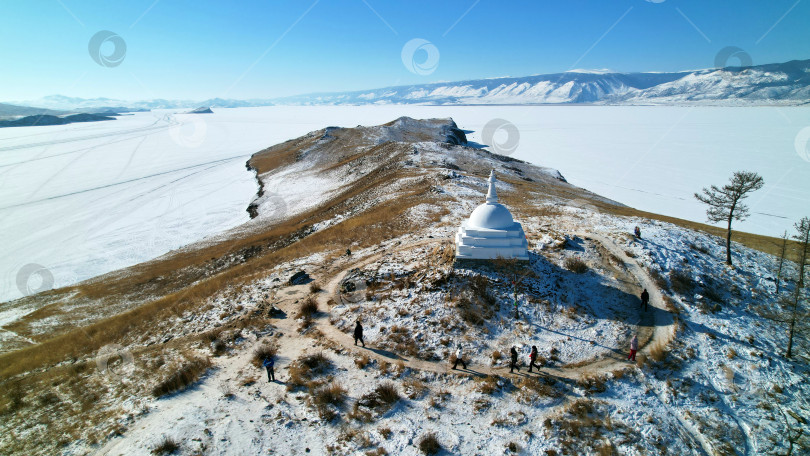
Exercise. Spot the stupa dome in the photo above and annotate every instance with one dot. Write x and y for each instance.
(490, 232)
(494, 216)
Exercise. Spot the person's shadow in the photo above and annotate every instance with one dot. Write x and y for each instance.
(384, 353)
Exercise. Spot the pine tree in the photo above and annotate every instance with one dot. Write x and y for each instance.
(782, 254)
(725, 204)
(803, 236)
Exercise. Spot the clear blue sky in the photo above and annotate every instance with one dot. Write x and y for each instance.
(183, 49)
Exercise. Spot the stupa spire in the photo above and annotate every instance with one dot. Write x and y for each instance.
(492, 196)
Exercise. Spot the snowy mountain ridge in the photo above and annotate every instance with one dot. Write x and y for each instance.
(770, 84)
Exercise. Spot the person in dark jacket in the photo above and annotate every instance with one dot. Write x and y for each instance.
(358, 334)
(268, 364)
(513, 360)
(533, 358)
(645, 299)
(637, 232)
(459, 358)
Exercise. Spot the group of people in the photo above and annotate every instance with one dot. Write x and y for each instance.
(513, 359)
(269, 363)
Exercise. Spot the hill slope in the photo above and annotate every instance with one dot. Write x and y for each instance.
(90, 368)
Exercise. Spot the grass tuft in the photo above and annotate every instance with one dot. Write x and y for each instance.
(308, 308)
(183, 377)
(429, 444)
(166, 446)
(575, 265)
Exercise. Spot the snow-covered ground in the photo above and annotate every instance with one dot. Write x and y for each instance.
(722, 388)
(85, 199)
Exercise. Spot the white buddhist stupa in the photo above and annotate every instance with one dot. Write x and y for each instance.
(490, 232)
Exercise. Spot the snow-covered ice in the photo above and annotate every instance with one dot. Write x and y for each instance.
(85, 199)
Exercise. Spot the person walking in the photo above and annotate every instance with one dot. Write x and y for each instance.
(637, 232)
(358, 334)
(645, 299)
(268, 364)
(633, 348)
(533, 358)
(459, 358)
(513, 357)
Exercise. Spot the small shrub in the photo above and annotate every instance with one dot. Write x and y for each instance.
(731, 354)
(362, 361)
(314, 287)
(264, 351)
(496, 356)
(385, 432)
(429, 444)
(489, 384)
(659, 279)
(414, 388)
(699, 248)
(331, 394)
(712, 294)
(681, 282)
(305, 368)
(575, 265)
(513, 447)
(658, 352)
(592, 383)
(379, 400)
(387, 393)
(166, 446)
(308, 308)
(183, 377)
(218, 347)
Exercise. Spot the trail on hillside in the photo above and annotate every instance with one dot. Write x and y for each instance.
(663, 324)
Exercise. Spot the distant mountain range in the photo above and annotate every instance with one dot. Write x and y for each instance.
(772, 84)
(45, 119)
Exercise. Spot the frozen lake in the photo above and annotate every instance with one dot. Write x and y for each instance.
(85, 199)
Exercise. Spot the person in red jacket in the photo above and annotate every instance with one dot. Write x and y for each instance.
(533, 358)
(633, 348)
